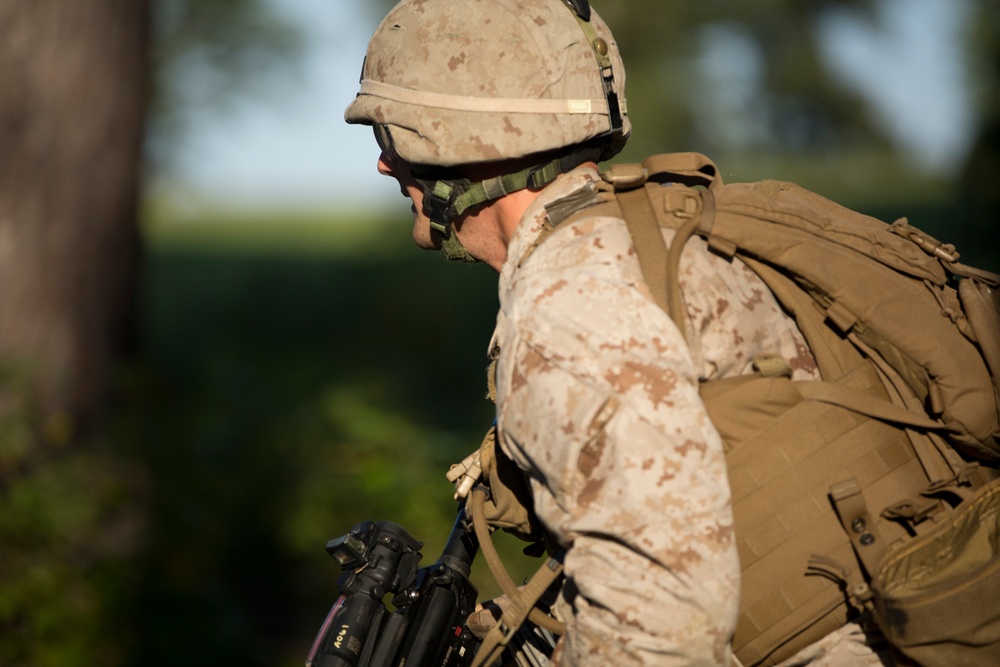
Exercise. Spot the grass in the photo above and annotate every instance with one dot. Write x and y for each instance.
(308, 233)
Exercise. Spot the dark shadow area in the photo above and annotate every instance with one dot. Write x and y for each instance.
(975, 235)
(275, 403)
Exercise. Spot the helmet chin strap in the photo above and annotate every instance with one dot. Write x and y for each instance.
(453, 250)
(445, 199)
(440, 206)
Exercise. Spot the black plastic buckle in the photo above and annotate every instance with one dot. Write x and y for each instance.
(440, 211)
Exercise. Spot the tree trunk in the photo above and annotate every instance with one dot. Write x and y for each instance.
(73, 83)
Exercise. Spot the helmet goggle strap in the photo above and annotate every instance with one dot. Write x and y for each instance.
(447, 194)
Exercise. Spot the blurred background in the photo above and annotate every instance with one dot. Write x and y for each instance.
(218, 348)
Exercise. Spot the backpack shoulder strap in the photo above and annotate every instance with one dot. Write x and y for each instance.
(644, 229)
(693, 212)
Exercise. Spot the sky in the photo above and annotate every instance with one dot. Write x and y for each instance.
(293, 148)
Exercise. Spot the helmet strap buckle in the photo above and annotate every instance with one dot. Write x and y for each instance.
(439, 204)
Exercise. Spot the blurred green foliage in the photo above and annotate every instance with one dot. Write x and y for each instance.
(723, 77)
(207, 55)
(73, 506)
(287, 389)
(70, 519)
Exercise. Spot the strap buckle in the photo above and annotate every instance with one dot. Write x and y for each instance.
(681, 202)
(439, 204)
(507, 631)
(944, 251)
(912, 511)
(625, 176)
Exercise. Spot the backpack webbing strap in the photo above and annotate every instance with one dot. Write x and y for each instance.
(858, 523)
(644, 229)
(522, 600)
(661, 265)
(870, 406)
(688, 168)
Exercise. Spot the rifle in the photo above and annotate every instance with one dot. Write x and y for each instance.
(427, 625)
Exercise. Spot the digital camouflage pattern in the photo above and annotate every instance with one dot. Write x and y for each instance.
(486, 80)
(597, 399)
(597, 390)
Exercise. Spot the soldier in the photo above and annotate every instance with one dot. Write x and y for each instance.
(492, 115)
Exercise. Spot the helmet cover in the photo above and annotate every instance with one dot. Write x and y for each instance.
(467, 81)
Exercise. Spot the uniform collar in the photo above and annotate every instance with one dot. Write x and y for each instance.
(528, 230)
(533, 221)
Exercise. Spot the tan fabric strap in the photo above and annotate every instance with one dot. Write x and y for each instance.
(649, 246)
(690, 166)
(522, 600)
(858, 523)
(521, 608)
(867, 405)
(482, 104)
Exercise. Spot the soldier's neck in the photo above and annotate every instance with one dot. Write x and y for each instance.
(486, 231)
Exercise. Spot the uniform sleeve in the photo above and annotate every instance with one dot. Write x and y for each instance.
(598, 401)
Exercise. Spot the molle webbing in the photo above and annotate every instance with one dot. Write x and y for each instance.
(779, 477)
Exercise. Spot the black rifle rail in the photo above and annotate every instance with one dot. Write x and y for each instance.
(427, 626)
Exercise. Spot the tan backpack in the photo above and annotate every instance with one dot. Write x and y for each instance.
(862, 492)
(835, 483)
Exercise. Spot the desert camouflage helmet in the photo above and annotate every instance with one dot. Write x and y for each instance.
(455, 82)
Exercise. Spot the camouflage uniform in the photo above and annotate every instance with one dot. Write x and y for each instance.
(597, 398)
(597, 389)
